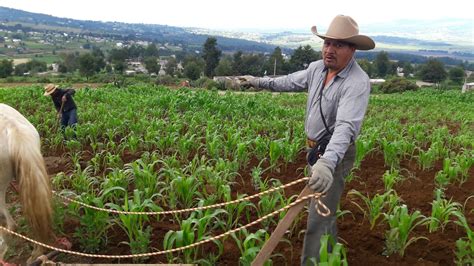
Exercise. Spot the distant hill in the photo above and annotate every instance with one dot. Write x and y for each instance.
(404, 37)
(14, 19)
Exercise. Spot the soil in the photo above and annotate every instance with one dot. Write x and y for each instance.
(364, 246)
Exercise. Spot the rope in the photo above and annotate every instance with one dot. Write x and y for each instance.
(182, 210)
(315, 195)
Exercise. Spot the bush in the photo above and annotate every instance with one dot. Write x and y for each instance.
(397, 85)
(165, 80)
(205, 82)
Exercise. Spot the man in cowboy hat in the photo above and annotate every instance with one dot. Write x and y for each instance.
(338, 94)
(64, 104)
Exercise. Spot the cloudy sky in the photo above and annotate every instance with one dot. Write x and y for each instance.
(245, 14)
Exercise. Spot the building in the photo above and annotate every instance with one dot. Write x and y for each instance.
(467, 87)
(376, 81)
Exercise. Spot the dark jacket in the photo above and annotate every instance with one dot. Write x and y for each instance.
(69, 104)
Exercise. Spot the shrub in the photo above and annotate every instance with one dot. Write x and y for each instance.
(205, 82)
(165, 80)
(397, 85)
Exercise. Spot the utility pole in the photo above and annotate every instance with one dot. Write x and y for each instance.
(275, 67)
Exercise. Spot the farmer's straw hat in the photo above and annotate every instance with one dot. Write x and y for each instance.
(345, 28)
(49, 89)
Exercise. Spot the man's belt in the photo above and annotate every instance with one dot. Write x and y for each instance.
(311, 143)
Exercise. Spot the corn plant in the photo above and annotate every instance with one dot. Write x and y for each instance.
(441, 211)
(114, 184)
(464, 246)
(251, 245)
(427, 158)
(363, 147)
(390, 178)
(261, 147)
(135, 225)
(241, 153)
(113, 160)
(83, 181)
(214, 144)
(92, 233)
(185, 190)
(291, 148)
(275, 152)
(391, 150)
(464, 162)
(97, 162)
(401, 224)
(375, 206)
(330, 253)
(235, 212)
(269, 202)
(194, 229)
(132, 142)
(448, 174)
(144, 176)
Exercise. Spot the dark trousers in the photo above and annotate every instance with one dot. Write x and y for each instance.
(69, 119)
(318, 225)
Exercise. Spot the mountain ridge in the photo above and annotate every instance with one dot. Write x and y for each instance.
(231, 41)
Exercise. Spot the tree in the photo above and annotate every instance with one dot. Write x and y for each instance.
(211, 56)
(224, 68)
(87, 65)
(192, 71)
(398, 84)
(151, 50)
(433, 71)
(407, 68)
(99, 59)
(456, 74)
(302, 57)
(171, 66)
(275, 64)
(20, 69)
(366, 66)
(69, 62)
(117, 55)
(117, 58)
(35, 66)
(135, 51)
(119, 67)
(253, 64)
(383, 65)
(151, 64)
(6, 68)
(237, 63)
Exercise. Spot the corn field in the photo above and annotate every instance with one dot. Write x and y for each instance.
(408, 200)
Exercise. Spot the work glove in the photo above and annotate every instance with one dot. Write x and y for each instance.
(321, 176)
(249, 81)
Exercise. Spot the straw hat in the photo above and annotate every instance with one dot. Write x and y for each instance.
(345, 28)
(49, 89)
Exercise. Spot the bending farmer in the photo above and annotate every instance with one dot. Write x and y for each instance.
(64, 104)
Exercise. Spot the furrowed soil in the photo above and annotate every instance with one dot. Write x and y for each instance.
(364, 246)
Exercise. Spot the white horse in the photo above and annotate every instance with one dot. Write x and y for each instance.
(20, 158)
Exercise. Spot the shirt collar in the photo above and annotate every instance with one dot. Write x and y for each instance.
(345, 71)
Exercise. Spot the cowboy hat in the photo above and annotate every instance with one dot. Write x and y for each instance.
(49, 89)
(345, 28)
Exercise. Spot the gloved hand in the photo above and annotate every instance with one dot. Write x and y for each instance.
(322, 176)
(249, 81)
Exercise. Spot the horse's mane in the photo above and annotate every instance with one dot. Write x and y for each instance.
(21, 140)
